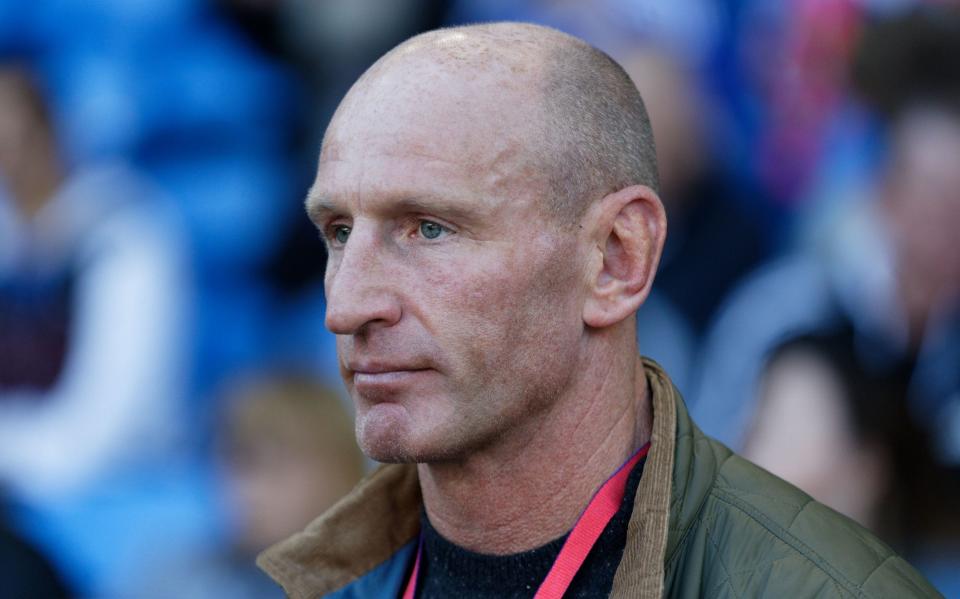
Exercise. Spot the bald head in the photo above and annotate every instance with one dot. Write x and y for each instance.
(485, 198)
(579, 124)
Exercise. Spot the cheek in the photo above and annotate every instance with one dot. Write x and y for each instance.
(504, 311)
(468, 315)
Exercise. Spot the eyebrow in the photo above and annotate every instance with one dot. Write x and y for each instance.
(440, 206)
(319, 207)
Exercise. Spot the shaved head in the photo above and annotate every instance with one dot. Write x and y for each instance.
(487, 199)
(583, 124)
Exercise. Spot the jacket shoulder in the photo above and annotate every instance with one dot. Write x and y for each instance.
(756, 535)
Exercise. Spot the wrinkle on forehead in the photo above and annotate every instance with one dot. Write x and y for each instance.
(499, 180)
(500, 158)
(475, 125)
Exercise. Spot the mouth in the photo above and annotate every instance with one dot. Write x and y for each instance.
(375, 370)
(387, 380)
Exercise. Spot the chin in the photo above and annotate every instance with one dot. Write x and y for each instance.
(383, 434)
(386, 451)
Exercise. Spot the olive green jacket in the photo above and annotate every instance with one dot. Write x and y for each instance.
(705, 523)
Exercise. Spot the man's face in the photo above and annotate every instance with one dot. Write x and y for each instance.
(456, 300)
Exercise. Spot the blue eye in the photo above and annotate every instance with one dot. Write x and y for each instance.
(341, 233)
(431, 230)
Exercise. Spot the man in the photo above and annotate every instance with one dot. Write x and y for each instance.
(488, 198)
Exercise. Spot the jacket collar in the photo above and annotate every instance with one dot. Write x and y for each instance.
(641, 569)
(382, 514)
(363, 530)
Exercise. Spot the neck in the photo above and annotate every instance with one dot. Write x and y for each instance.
(532, 485)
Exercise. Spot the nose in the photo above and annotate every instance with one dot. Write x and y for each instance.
(359, 287)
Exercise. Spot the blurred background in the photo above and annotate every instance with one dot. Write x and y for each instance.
(169, 399)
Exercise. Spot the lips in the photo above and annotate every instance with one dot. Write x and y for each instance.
(381, 368)
(383, 374)
(386, 382)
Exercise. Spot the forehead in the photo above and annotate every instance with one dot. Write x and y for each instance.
(422, 125)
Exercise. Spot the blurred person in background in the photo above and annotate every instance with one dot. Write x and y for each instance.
(867, 419)
(93, 309)
(94, 323)
(175, 93)
(842, 431)
(288, 452)
(882, 260)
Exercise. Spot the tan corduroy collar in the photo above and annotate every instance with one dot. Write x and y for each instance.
(382, 514)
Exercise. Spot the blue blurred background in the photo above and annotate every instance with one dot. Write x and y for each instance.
(169, 398)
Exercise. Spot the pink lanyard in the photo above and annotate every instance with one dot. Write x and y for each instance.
(581, 540)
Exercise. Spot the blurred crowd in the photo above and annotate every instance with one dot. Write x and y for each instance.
(170, 401)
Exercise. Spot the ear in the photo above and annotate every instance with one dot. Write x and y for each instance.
(629, 228)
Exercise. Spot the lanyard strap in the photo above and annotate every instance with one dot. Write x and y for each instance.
(580, 541)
